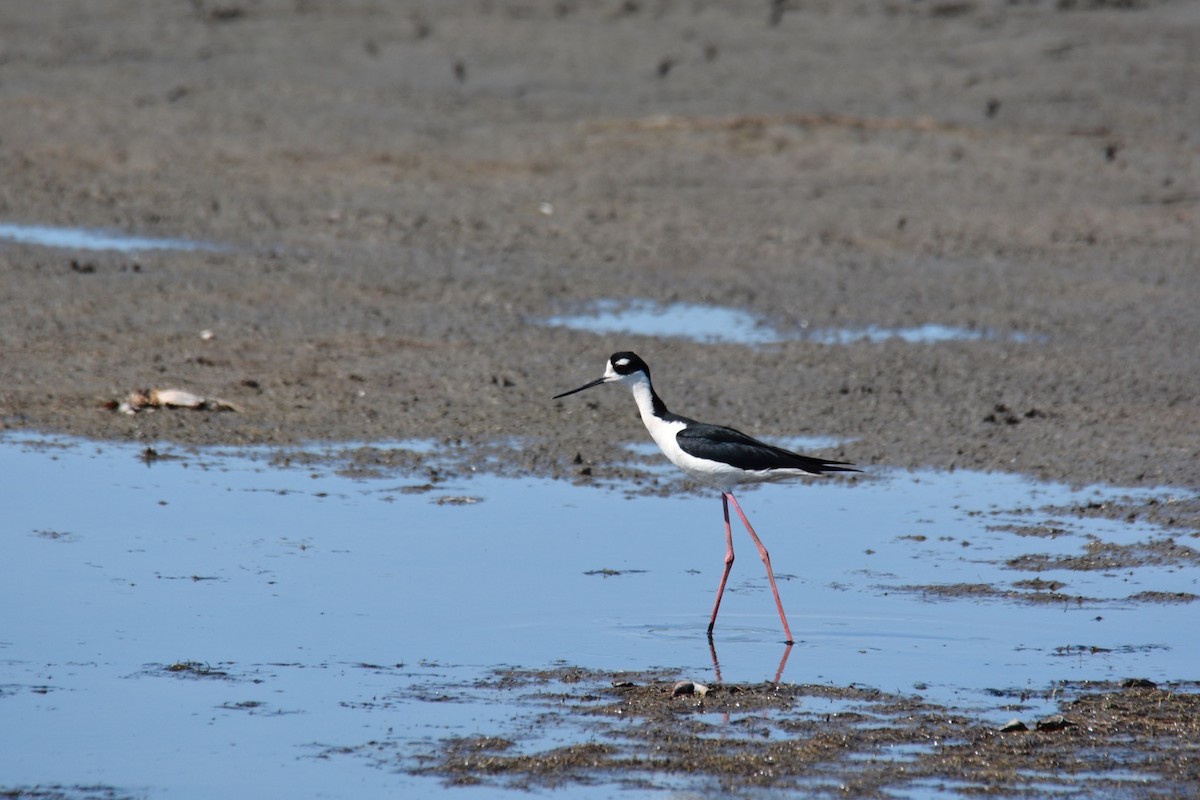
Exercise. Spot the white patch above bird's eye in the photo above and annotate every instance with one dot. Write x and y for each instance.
(622, 362)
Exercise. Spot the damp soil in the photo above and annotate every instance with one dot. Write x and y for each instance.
(402, 193)
(643, 731)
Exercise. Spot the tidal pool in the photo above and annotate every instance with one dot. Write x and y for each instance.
(713, 324)
(91, 239)
(703, 323)
(200, 624)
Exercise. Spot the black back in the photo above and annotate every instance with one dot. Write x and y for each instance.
(745, 452)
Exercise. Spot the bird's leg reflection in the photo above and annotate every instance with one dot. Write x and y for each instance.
(712, 651)
(787, 651)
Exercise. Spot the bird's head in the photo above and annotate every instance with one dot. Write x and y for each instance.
(623, 367)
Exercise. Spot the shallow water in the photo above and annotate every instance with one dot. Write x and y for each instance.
(91, 239)
(930, 333)
(708, 323)
(308, 613)
(702, 323)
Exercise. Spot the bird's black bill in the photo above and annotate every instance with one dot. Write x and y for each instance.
(596, 382)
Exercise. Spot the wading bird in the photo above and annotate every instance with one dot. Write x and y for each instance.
(714, 455)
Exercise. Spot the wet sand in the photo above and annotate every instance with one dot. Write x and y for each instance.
(400, 193)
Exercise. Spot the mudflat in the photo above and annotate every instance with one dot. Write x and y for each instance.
(403, 192)
(395, 197)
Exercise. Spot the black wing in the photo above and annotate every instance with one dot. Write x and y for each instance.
(745, 452)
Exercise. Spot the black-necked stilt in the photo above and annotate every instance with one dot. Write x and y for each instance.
(714, 455)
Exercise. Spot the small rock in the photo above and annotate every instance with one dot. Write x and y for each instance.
(689, 687)
(1054, 723)
(1013, 725)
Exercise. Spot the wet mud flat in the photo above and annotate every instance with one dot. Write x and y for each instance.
(391, 204)
(648, 730)
(389, 201)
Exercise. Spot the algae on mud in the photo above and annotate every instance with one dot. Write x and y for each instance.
(641, 735)
(404, 191)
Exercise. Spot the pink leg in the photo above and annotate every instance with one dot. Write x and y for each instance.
(728, 565)
(762, 551)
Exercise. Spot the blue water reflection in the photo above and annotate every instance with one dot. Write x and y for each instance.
(701, 323)
(716, 324)
(92, 239)
(316, 594)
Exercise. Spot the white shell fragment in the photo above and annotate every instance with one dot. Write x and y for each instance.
(149, 399)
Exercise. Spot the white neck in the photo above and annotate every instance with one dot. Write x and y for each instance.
(662, 430)
(643, 395)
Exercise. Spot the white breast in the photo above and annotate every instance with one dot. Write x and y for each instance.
(664, 432)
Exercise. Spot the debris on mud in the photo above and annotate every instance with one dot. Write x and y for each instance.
(150, 399)
(1100, 555)
(195, 669)
(1038, 592)
(641, 732)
